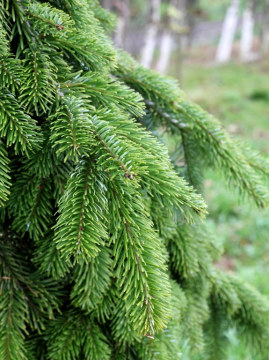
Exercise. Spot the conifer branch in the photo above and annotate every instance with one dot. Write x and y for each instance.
(17, 127)
(225, 155)
(106, 91)
(22, 302)
(244, 307)
(84, 215)
(141, 239)
(30, 202)
(11, 73)
(123, 203)
(4, 175)
(39, 85)
(207, 131)
(71, 129)
(76, 334)
(91, 281)
(4, 50)
(48, 258)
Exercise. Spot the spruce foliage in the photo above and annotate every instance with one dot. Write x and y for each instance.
(103, 251)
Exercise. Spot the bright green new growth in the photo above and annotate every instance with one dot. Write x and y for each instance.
(103, 255)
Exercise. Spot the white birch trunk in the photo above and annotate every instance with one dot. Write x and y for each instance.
(120, 32)
(147, 52)
(228, 32)
(264, 37)
(166, 47)
(123, 14)
(247, 34)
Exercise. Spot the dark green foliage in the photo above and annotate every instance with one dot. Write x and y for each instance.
(102, 251)
(17, 127)
(4, 172)
(91, 281)
(77, 233)
(77, 336)
(27, 299)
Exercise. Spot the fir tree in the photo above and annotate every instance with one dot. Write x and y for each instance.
(103, 254)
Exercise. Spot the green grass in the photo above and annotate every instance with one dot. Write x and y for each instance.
(239, 96)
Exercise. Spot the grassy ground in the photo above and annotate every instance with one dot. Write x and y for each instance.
(239, 96)
(236, 94)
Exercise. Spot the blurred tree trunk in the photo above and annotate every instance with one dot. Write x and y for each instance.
(176, 9)
(247, 30)
(224, 50)
(122, 10)
(166, 46)
(123, 13)
(147, 52)
(264, 28)
(191, 10)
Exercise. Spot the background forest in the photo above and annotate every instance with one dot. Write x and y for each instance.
(183, 39)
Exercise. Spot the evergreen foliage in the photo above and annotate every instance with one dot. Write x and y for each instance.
(103, 251)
